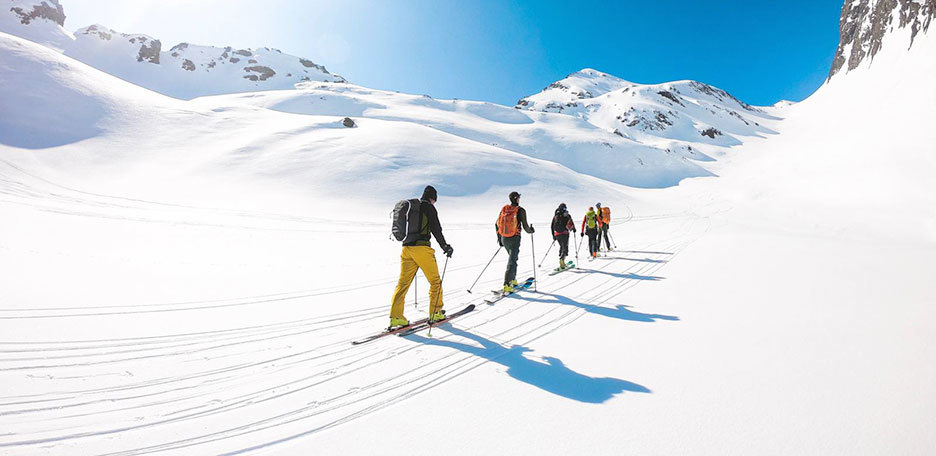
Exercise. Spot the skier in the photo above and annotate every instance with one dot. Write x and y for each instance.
(590, 225)
(561, 225)
(511, 218)
(418, 254)
(604, 215)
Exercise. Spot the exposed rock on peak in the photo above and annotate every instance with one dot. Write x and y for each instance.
(865, 24)
(677, 114)
(30, 10)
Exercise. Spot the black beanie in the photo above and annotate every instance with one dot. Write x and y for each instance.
(430, 193)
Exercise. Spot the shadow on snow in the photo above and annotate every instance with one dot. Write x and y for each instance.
(629, 275)
(551, 375)
(620, 312)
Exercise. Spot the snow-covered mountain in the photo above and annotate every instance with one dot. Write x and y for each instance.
(182, 71)
(185, 277)
(688, 117)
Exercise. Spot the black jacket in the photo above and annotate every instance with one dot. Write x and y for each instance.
(429, 226)
(562, 223)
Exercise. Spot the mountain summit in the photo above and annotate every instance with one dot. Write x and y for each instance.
(682, 115)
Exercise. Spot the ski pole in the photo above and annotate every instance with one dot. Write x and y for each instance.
(485, 269)
(577, 246)
(612, 239)
(416, 290)
(533, 246)
(547, 253)
(438, 298)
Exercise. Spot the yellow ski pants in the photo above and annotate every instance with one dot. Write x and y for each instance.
(412, 259)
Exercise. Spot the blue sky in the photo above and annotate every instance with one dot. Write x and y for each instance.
(761, 51)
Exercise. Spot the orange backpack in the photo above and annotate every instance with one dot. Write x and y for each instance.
(507, 221)
(606, 215)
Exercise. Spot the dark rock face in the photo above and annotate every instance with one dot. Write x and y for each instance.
(150, 52)
(865, 23)
(720, 94)
(48, 9)
(311, 64)
(669, 95)
(348, 122)
(188, 65)
(711, 132)
(263, 73)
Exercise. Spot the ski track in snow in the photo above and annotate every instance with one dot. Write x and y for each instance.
(283, 381)
(247, 388)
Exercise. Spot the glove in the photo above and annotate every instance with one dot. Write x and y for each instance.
(499, 241)
(532, 230)
(582, 234)
(555, 238)
(448, 250)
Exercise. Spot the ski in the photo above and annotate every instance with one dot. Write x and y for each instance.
(499, 294)
(569, 265)
(425, 324)
(390, 331)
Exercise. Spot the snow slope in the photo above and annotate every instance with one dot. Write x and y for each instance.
(185, 277)
(182, 71)
(563, 139)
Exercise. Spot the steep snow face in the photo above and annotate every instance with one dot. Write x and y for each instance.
(49, 100)
(865, 24)
(856, 158)
(183, 71)
(688, 117)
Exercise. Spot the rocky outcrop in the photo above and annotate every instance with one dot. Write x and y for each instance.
(149, 52)
(47, 9)
(263, 73)
(865, 24)
(711, 132)
(348, 122)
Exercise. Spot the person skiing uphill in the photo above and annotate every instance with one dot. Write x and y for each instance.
(418, 254)
(561, 225)
(590, 225)
(511, 218)
(604, 216)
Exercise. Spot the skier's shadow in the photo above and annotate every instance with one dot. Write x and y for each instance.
(552, 375)
(628, 275)
(640, 260)
(620, 312)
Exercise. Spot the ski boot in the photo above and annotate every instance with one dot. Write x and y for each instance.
(440, 315)
(562, 264)
(398, 321)
(513, 283)
(508, 288)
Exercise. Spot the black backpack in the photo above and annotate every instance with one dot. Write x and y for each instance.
(405, 219)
